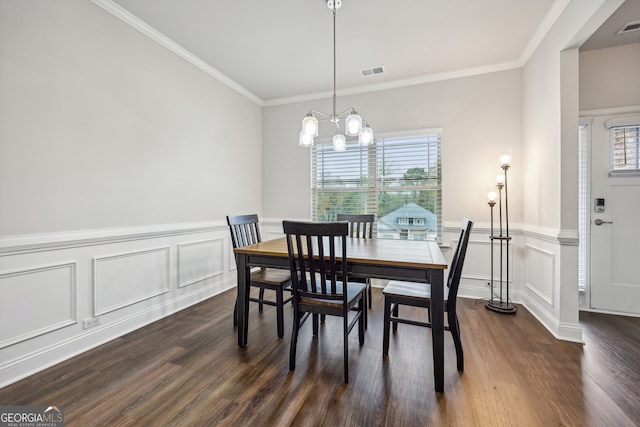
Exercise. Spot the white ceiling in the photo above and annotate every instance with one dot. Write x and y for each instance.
(281, 51)
(606, 36)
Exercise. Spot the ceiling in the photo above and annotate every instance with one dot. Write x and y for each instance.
(606, 36)
(281, 51)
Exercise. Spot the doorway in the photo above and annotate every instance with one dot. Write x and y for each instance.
(610, 209)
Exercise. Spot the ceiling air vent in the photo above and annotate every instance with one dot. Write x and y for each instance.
(373, 71)
(629, 27)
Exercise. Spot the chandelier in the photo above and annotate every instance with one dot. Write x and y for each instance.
(353, 123)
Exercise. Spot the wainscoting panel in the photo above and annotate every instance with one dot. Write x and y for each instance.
(124, 279)
(476, 269)
(198, 261)
(63, 294)
(36, 301)
(540, 274)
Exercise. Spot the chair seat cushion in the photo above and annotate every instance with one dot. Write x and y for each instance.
(353, 292)
(411, 289)
(271, 276)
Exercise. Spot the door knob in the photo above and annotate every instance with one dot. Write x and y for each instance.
(598, 221)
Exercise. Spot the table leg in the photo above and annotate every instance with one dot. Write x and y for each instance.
(437, 327)
(243, 298)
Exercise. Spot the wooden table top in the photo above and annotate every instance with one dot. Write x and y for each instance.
(388, 252)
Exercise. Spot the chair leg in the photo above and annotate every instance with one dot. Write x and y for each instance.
(364, 313)
(396, 310)
(369, 295)
(362, 322)
(235, 314)
(294, 338)
(315, 324)
(280, 313)
(454, 327)
(345, 338)
(261, 305)
(387, 320)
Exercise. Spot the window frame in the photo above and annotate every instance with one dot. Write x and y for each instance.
(377, 182)
(617, 137)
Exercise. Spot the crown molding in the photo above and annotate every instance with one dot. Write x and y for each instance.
(133, 21)
(543, 29)
(429, 78)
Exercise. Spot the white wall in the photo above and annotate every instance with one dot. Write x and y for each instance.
(550, 121)
(481, 119)
(102, 127)
(609, 77)
(118, 163)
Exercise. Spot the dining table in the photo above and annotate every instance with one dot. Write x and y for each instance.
(412, 260)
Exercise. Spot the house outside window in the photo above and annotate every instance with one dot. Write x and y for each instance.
(398, 179)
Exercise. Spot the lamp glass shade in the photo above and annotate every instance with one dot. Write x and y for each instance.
(339, 142)
(492, 196)
(353, 124)
(505, 159)
(310, 125)
(366, 136)
(305, 140)
(500, 179)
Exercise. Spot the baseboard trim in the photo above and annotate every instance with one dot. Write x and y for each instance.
(562, 331)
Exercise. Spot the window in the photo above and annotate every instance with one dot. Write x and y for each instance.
(584, 211)
(398, 179)
(625, 150)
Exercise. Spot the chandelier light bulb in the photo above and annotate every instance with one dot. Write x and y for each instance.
(366, 136)
(310, 125)
(339, 142)
(305, 140)
(353, 123)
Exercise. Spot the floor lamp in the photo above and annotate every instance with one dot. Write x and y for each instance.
(501, 303)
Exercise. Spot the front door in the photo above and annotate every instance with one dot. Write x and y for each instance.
(615, 227)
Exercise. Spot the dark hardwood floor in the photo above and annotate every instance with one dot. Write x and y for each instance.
(186, 370)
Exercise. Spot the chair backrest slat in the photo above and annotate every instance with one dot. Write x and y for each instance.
(359, 225)
(244, 230)
(457, 262)
(317, 258)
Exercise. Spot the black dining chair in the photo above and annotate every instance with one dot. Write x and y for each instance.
(361, 226)
(398, 293)
(245, 231)
(317, 259)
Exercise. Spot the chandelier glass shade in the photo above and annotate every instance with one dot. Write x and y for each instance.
(354, 125)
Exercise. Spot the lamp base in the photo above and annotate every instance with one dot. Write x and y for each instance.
(501, 307)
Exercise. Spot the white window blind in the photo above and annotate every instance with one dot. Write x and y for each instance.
(625, 150)
(583, 208)
(398, 179)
